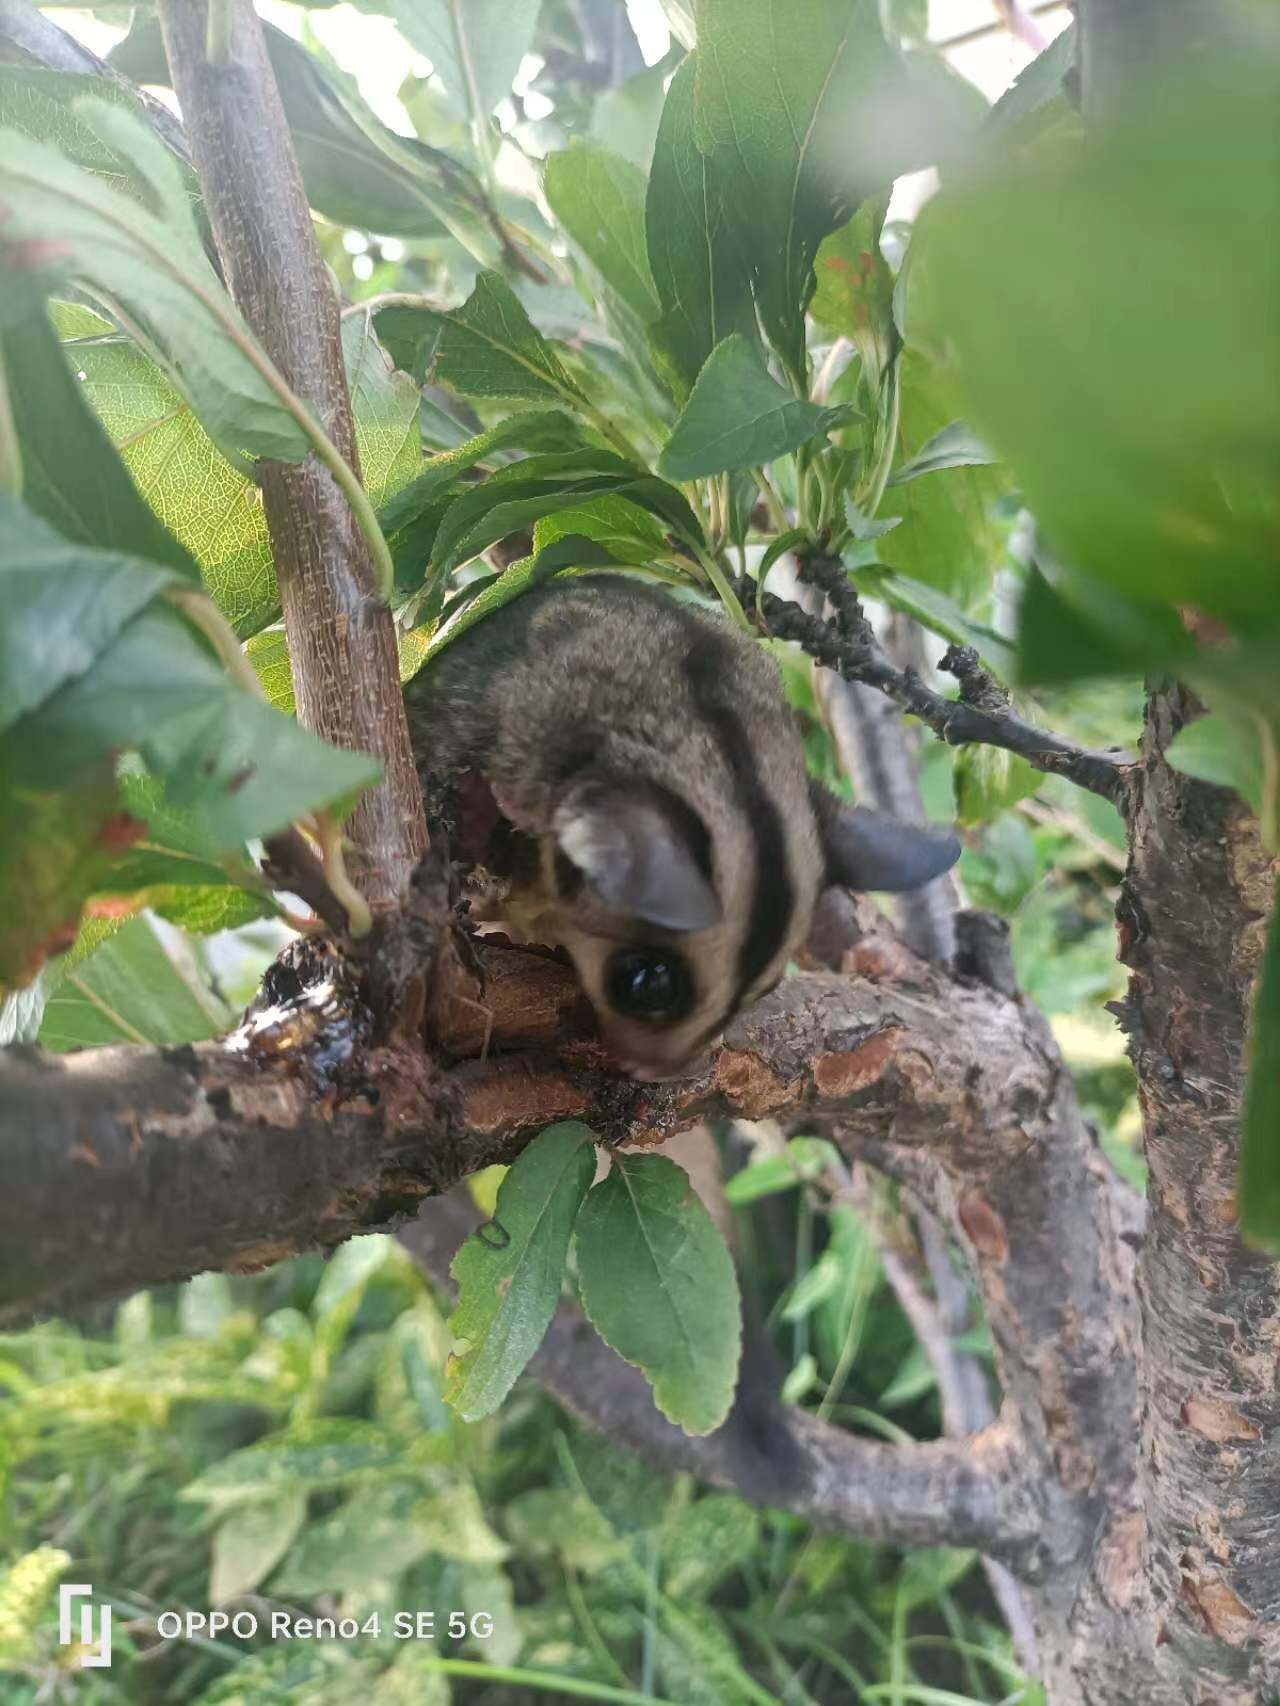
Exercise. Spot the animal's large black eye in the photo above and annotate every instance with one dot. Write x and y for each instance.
(649, 983)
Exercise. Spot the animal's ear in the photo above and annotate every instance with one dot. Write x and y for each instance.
(866, 851)
(640, 851)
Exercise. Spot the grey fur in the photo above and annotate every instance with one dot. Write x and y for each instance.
(600, 689)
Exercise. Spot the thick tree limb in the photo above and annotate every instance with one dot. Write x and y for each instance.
(931, 1494)
(983, 717)
(342, 645)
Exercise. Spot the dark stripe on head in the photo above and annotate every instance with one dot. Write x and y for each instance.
(709, 671)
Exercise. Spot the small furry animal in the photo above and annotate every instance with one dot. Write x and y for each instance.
(627, 768)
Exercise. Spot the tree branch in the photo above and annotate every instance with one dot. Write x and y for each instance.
(932, 1494)
(342, 644)
(981, 715)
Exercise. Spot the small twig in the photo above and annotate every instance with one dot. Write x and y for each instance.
(849, 646)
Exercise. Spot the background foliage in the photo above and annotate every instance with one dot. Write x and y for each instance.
(568, 347)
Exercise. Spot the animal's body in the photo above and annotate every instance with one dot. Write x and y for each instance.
(666, 835)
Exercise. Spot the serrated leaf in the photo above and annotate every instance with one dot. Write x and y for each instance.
(136, 988)
(739, 417)
(703, 284)
(954, 446)
(206, 502)
(153, 264)
(658, 1285)
(491, 348)
(599, 198)
(571, 551)
(509, 1273)
(1035, 94)
(626, 531)
(72, 474)
(1260, 1138)
(250, 1541)
(41, 104)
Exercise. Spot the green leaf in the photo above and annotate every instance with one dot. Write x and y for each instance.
(950, 537)
(250, 1541)
(1223, 749)
(954, 446)
(803, 1159)
(355, 169)
(573, 551)
(209, 506)
(41, 104)
(738, 416)
(371, 1537)
(72, 474)
(658, 1285)
(599, 199)
(628, 533)
(987, 780)
(1260, 1141)
(334, 1452)
(626, 117)
(476, 46)
(853, 297)
(792, 98)
(491, 348)
(135, 674)
(703, 285)
(509, 1273)
(137, 988)
(705, 1543)
(941, 616)
(1145, 430)
(1073, 627)
(153, 264)
(1034, 98)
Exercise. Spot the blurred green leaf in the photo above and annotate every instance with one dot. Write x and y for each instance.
(703, 284)
(509, 1273)
(137, 988)
(334, 1452)
(626, 117)
(72, 474)
(853, 297)
(705, 1543)
(1109, 343)
(153, 264)
(803, 1159)
(950, 537)
(955, 446)
(987, 780)
(475, 49)
(599, 198)
(1222, 749)
(250, 1541)
(356, 171)
(371, 1536)
(738, 416)
(658, 1285)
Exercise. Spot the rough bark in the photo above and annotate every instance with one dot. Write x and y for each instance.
(1193, 913)
(342, 644)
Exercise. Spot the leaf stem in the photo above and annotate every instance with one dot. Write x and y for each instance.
(720, 581)
(10, 449)
(868, 499)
